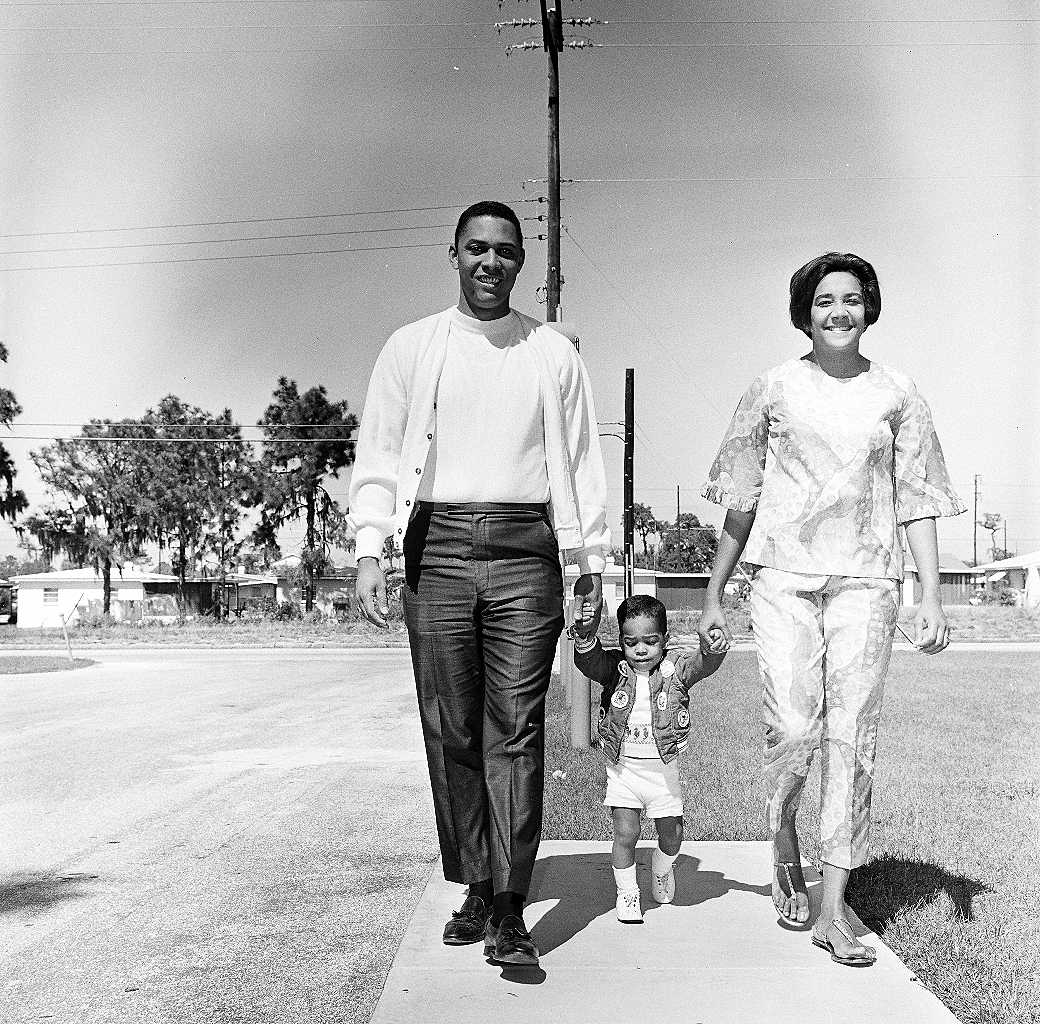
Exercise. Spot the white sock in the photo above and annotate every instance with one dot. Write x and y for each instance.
(661, 862)
(625, 878)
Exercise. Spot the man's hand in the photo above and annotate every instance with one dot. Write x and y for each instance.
(371, 591)
(713, 629)
(932, 629)
(588, 603)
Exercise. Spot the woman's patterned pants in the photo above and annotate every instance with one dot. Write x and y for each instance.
(824, 644)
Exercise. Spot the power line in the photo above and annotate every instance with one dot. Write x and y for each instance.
(185, 426)
(708, 179)
(646, 326)
(211, 259)
(221, 241)
(198, 28)
(109, 439)
(222, 223)
(456, 47)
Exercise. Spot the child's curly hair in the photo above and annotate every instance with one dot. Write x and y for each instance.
(643, 604)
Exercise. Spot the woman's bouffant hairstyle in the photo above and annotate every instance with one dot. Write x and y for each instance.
(806, 280)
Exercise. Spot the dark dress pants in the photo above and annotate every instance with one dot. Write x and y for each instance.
(483, 603)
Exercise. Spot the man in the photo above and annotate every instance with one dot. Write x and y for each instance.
(479, 455)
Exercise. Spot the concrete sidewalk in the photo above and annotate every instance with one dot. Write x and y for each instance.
(715, 956)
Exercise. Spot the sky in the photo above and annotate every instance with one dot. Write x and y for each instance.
(198, 197)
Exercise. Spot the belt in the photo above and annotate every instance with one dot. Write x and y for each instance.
(480, 508)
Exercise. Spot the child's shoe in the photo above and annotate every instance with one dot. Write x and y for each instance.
(662, 887)
(628, 910)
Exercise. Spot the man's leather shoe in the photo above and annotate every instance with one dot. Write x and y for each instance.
(510, 943)
(467, 924)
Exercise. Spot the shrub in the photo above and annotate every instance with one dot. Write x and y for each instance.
(288, 611)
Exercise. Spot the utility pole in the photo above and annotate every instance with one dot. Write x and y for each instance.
(630, 437)
(552, 22)
(552, 41)
(678, 527)
(975, 528)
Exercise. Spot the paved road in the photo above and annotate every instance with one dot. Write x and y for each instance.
(183, 832)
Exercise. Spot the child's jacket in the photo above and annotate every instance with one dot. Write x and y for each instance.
(669, 695)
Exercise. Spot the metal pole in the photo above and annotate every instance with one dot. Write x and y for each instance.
(552, 37)
(975, 529)
(678, 530)
(578, 688)
(581, 706)
(630, 416)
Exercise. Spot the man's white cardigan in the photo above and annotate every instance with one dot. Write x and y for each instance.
(399, 421)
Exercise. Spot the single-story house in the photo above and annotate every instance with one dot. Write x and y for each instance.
(241, 591)
(1022, 572)
(6, 601)
(675, 590)
(44, 598)
(956, 580)
(682, 590)
(333, 591)
(613, 584)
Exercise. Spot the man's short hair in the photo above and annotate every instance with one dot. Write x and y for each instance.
(807, 279)
(488, 208)
(643, 604)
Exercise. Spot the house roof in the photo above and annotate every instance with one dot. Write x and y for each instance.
(93, 576)
(1018, 562)
(947, 563)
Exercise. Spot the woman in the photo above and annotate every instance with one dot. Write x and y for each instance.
(826, 457)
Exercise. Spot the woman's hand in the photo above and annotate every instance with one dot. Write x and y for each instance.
(932, 629)
(713, 629)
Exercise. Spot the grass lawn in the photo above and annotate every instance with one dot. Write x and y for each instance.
(17, 664)
(953, 884)
(985, 622)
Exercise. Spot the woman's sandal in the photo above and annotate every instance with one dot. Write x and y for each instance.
(844, 929)
(781, 896)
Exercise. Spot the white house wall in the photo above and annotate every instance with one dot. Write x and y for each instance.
(34, 614)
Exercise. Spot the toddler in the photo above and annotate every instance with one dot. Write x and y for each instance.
(644, 724)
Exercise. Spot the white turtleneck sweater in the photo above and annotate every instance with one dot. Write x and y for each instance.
(489, 417)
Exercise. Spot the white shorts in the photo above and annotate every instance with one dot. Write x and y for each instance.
(647, 784)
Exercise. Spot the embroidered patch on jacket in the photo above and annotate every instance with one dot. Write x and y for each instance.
(682, 718)
(662, 701)
(619, 699)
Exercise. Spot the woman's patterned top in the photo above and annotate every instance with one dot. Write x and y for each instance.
(832, 468)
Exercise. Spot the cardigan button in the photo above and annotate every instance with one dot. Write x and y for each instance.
(407, 501)
(418, 470)
(429, 437)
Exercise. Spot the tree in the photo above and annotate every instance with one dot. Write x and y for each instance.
(991, 523)
(686, 546)
(201, 474)
(102, 477)
(232, 486)
(11, 566)
(60, 531)
(307, 439)
(12, 500)
(644, 523)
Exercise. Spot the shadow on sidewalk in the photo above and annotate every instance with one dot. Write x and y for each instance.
(583, 885)
(34, 891)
